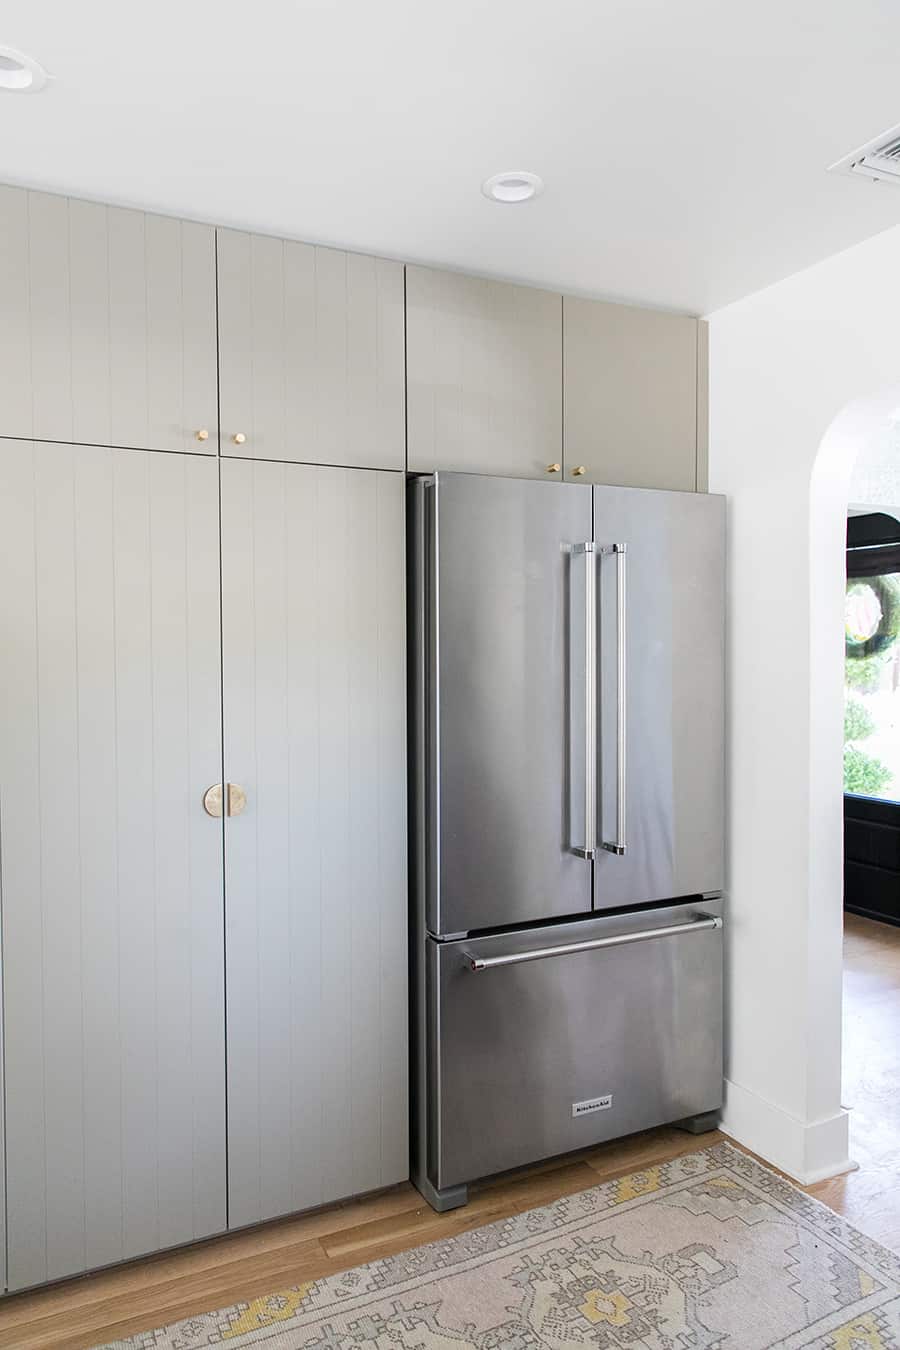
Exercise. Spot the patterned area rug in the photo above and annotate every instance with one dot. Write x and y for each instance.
(701, 1253)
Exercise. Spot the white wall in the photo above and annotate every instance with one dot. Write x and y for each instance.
(802, 375)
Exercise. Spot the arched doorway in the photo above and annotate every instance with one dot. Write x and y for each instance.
(788, 367)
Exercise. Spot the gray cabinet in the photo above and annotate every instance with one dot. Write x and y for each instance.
(120, 920)
(631, 396)
(314, 687)
(484, 376)
(111, 873)
(310, 353)
(108, 331)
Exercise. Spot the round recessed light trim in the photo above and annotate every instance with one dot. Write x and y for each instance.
(19, 74)
(511, 187)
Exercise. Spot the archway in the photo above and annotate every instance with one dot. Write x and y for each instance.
(848, 436)
(788, 367)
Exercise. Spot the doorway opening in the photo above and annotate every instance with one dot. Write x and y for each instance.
(871, 767)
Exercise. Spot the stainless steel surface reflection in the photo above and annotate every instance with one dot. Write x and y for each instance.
(566, 729)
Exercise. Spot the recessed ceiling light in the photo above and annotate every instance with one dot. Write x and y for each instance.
(512, 187)
(19, 74)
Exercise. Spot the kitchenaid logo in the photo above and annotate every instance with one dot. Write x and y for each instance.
(594, 1104)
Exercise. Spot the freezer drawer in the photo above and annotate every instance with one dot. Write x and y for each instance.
(532, 1056)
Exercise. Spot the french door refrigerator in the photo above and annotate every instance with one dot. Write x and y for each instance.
(566, 681)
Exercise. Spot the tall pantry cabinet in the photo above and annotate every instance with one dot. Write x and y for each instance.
(202, 778)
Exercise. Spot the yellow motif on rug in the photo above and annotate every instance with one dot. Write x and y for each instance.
(638, 1183)
(611, 1308)
(263, 1312)
(860, 1334)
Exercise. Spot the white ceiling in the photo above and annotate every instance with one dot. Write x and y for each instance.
(683, 142)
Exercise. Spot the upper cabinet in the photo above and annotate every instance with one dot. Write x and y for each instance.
(139, 331)
(631, 396)
(310, 353)
(484, 374)
(108, 335)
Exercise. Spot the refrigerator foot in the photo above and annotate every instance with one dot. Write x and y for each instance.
(701, 1124)
(451, 1197)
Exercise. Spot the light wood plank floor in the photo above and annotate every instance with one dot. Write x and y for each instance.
(144, 1294)
(870, 1197)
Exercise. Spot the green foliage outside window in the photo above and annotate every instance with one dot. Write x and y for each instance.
(863, 773)
(864, 675)
(858, 721)
(866, 658)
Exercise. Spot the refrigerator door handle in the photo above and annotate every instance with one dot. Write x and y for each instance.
(618, 845)
(479, 963)
(585, 552)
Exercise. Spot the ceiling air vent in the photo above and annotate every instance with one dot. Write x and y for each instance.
(879, 159)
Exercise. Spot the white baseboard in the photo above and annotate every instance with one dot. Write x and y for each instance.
(808, 1152)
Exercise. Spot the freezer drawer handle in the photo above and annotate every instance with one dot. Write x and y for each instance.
(618, 845)
(477, 963)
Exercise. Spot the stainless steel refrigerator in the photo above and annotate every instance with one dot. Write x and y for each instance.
(566, 682)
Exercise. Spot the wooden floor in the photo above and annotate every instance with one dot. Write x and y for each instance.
(870, 1197)
(145, 1294)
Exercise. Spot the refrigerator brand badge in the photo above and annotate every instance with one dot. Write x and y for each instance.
(594, 1104)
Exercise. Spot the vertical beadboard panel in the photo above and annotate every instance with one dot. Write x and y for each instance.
(189, 907)
(134, 826)
(98, 769)
(327, 381)
(313, 601)
(242, 938)
(311, 353)
(111, 873)
(109, 326)
(15, 347)
(338, 644)
(127, 389)
(307, 749)
(23, 898)
(181, 391)
(48, 266)
(484, 368)
(62, 949)
(89, 338)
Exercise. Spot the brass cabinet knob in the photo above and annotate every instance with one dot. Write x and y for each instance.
(553, 468)
(239, 438)
(202, 434)
(578, 470)
(232, 801)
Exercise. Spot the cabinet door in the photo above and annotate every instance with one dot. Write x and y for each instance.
(315, 699)
(109, 325)
(310, 353)
(484, 374)
(111, 871)
(630, 385)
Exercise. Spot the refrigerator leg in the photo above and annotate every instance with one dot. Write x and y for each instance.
(451, 1197)
(701, 1124)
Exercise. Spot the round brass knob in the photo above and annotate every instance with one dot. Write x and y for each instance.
(578, 471)
(202, 434)
(239, 438)
(553, 468)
